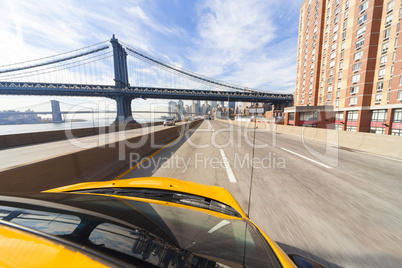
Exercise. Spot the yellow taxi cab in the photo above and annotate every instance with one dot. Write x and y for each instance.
(141, 222)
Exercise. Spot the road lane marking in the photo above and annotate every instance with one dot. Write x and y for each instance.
(302, 156)
(231, 176)
(377, 155)
(149, 157)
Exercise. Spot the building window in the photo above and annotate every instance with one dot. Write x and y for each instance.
(345, 25)
(351, 128)
(380, 86)
(332, 64)
(333, 47)
(336, 19)
(378, 98)
(389, 84)
(329, 97)
(338, 94)
(352, 101)
(329, 88)
(362, 19)
(359, 43)
(397, 116)
(347, 4)
(384, 47)
(335, 28)
(336, 103)
(400, 80)
(387, 33)
(399, 95)
(330, 80)
(396, 132)
(335, 37)
(333, 54)
(355, 78)
(353, 115)
(358, 55)
(388, 20)
(340, 75)
(346, 15)
(356, 67)
(337, 10)
(363, 7)
(343, 35)
(340, 65)
(331, 72)
(379, 116)
(396, 42)
(383, 60)
(381, 73)
(343, 46)
(354, 90)
(361, 31)
(339, 84)
(377, 130)
(390, 6)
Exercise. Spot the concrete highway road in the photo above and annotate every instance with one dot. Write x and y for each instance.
(337, 206)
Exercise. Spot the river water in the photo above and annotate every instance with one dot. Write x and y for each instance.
(89, 122)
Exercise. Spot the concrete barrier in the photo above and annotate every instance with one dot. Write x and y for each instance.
(98, 163)
(384, 145)
(13, 140)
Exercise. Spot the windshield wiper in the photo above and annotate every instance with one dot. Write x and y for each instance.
(168, 196)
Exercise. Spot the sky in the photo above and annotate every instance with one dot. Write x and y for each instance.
(250, 43)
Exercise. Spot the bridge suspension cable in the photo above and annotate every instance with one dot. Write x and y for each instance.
(180, 71)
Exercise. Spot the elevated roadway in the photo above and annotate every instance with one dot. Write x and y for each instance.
(341, 209)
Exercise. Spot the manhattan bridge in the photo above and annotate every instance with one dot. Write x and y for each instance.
(121, 72)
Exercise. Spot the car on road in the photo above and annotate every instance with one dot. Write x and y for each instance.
(169, 122)
(141, 222)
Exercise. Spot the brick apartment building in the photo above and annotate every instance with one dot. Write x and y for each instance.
(349, 62)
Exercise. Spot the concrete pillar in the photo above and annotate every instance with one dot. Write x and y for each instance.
(124, 112)
(56, 115)
(345, 119)
(388, 122)
(297, 116)
(363, 121)
(286, 119)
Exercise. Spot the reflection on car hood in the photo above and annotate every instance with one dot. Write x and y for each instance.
(142, 233)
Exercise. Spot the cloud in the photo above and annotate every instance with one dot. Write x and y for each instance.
(238, 42)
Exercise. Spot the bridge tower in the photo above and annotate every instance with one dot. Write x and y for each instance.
(124, 112)
(56, 115)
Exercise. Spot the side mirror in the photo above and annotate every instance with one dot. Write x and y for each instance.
(303, 262)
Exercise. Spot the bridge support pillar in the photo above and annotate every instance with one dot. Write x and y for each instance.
(124, 113)
(56, 115)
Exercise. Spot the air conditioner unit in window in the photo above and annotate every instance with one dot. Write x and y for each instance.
(380, 77)
(384, 50)
(382, 64)
(388, 23)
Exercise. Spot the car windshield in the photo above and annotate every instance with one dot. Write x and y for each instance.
(142, 233)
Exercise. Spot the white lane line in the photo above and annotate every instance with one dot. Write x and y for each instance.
(231, 176)
(386, 157)
(302, 156)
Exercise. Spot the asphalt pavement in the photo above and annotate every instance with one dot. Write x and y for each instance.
(335, 205)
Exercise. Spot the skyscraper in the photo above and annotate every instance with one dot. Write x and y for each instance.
(349, 59)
